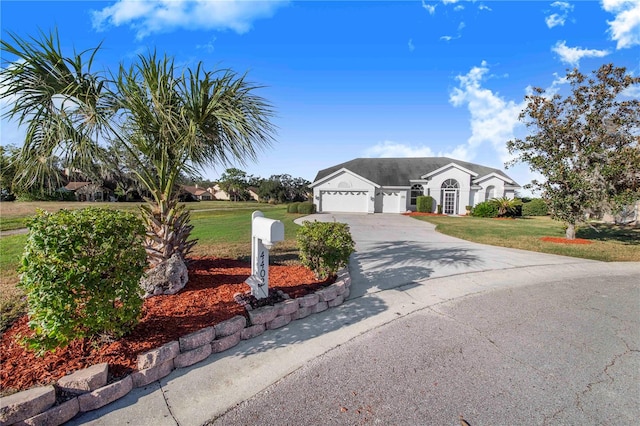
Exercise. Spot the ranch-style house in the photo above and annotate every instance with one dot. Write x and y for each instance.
(391, 185)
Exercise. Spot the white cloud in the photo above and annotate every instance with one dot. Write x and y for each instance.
(431, 8)
(484, 7)
(208, 46)
(411, 46)
(572, 55)
(459, 8)
(391, 149)
(631, 92)
(558, 19)
(625, 28)
(155, 16)
(493, 118)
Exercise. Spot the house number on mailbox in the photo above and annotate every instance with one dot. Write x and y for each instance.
(264, 233)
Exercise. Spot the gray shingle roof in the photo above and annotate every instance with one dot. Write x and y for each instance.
(399, 171)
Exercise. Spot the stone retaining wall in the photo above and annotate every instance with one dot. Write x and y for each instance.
(89, 388)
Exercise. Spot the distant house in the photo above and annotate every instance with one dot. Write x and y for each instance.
(198, 193)
(392, 185)
(219, 194)
(88, 191)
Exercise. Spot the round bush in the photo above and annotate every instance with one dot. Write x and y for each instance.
(424, 204)
(325, 247)
(306, 208)
(535, 207)
(81, 271)
(485, 209)
(293, 208)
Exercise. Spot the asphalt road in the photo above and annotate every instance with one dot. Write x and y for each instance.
(557, 352)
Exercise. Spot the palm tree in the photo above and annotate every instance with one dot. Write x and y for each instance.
(168, 123)
(505, 205)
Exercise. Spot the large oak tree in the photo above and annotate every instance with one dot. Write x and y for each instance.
(586, 145)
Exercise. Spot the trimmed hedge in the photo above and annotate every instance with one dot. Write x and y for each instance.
(424, 204)
(293, 208)
(306, 208)
(535, 207)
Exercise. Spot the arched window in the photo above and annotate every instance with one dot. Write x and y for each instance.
(450, 184)
(416, 191)
(490, 193)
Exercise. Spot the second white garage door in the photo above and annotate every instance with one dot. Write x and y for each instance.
(343, 201)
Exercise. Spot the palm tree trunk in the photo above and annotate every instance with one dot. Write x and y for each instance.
(168, 231)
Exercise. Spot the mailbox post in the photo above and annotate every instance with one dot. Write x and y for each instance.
(264, 233)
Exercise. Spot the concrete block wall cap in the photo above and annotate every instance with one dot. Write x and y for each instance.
(196, 339)
(287, 307)
(104, 395)
(252, 331)
(193, 356)
(230, 326)
(336, 302)
(263, 314)
(224, 343)
(340, 286)
(308, 300)
(278, 322)
(158, 356)
(22, 405)
(327, 293)
(301, 313)
(151, 374)
(85, 380)
(54, 416)
(319, 307)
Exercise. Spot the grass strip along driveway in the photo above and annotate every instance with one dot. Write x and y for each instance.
(609, 243)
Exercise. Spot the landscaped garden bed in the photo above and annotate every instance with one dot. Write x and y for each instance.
(208, 299)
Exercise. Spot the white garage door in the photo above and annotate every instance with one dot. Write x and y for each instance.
(343, 201)
(390, 201)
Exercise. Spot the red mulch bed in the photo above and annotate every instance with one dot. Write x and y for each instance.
(561, 240)
(207, 299)
(422, 214)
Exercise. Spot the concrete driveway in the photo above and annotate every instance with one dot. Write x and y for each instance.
(395, 250)
(434, 327)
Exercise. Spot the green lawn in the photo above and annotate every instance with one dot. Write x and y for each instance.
(609, 242)
(223, 229)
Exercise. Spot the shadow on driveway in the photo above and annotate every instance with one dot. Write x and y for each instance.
(388, 265)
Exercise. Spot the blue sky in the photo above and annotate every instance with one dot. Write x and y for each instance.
(361, 78)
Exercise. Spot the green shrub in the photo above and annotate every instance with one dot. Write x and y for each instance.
(325, 247)
(81, 271)
(306, 208)
(535, 207)
(485, 209)
(293, 208)
(424, 204)
(439, 208)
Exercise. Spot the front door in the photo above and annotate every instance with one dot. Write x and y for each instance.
(450, 201)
